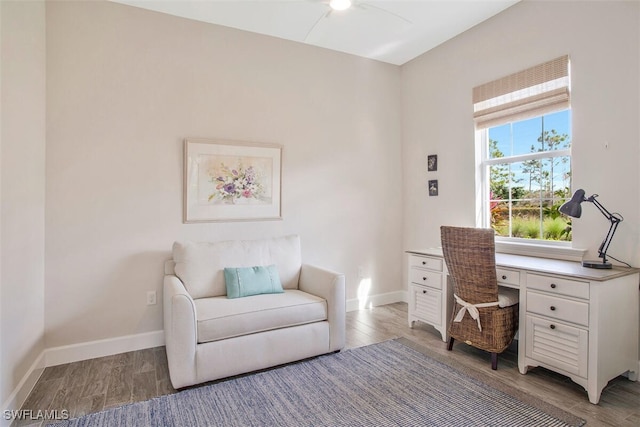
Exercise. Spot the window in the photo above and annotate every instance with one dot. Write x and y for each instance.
(523, 132)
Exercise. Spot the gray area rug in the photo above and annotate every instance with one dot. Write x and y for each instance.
(385, 384)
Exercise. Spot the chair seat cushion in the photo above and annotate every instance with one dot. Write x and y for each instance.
(508, 297)
(219, 317)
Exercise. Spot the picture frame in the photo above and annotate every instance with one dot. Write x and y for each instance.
(433, 187)
(231, 181)
(432, 162)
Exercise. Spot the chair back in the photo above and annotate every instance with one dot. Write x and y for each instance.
(471, 260)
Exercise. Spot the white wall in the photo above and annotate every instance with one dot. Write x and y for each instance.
(603, 41)
(126, 85)
(22, 156)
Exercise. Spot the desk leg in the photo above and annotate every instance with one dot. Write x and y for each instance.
(522, 333)
(594, 386)
(594, 394)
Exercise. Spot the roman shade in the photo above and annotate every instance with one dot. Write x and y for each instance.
(529, 93)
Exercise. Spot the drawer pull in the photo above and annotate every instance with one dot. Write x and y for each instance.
(553, 286)
(424, 278)
(504, 277)
(552, 326)
(424, 262)
(424, 292)
(553, 308)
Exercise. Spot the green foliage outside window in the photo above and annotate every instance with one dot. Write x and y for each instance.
(525, 196)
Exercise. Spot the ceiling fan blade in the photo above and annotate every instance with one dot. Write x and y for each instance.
(364, 5)
(325, 15)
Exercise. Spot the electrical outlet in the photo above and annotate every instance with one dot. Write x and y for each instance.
(151, 298)
(360, 272)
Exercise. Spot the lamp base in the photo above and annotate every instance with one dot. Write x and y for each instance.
(597, 264)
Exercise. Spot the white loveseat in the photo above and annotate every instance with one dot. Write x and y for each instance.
(209, 336)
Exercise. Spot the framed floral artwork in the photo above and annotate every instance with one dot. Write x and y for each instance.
(231, 181)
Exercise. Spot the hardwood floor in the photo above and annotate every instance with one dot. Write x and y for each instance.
(93, 385)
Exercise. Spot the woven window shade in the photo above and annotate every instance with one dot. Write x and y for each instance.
(529, 93)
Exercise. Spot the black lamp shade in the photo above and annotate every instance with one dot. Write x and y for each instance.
(573, 207)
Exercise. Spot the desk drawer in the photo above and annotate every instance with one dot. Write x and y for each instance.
(427, 304)
(557, 285)
(509, 277)
(425, 262)
(558, 308)
(426, 278)
(557, 345)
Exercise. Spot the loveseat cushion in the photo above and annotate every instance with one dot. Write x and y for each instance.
(219, 317)
(200, 265)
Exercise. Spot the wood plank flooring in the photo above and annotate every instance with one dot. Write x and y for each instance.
(93, 385)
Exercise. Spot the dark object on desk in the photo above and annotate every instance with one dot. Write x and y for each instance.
(573, 209)
(483, 316)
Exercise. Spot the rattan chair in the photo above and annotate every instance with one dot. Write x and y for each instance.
(470, 257)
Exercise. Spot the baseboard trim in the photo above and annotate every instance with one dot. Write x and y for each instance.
(100, 348)
(376, 300)
(74, 353)
(22, 390)
(106, 347)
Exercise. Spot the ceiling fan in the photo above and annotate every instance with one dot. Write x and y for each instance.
(352, 6)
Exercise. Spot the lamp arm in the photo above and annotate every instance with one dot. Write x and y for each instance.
(604, 246)
(615, 220)
(601, 208)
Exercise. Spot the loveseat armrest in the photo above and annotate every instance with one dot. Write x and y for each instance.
(330, 286)
(180, 332)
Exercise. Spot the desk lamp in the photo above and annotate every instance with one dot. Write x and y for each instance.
(573, 209)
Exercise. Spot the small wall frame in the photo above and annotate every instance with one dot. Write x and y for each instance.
(432, 162)
(433, 187)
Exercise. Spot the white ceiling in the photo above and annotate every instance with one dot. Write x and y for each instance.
(393, 31)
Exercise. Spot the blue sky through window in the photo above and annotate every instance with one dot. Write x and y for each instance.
(523, 137)
(527, 132)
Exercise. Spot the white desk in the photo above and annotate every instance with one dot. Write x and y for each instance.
(580, 322)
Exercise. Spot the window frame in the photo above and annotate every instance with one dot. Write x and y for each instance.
(483, 217)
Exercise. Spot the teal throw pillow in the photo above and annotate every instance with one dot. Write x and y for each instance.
(246, 281)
